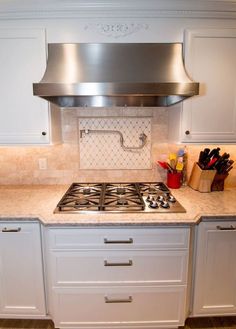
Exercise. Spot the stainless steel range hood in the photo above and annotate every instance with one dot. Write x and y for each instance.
(115, 74)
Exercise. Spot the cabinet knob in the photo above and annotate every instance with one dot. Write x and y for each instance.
(187, 132)
(44, 133)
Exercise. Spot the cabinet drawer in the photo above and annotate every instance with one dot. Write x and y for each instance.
(118, 238)
(85, 307)
(11, 228)
(100, 267)
(223, 227)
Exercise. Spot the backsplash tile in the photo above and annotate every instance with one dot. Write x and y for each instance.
(19, 165)
(100, 146)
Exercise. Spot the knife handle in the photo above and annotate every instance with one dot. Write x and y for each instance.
(231, 167)
(201, 156)
(211, 163)
(214, 153)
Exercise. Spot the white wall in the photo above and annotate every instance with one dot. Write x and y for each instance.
(118, 20)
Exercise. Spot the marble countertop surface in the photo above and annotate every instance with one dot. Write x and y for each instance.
(39, 201)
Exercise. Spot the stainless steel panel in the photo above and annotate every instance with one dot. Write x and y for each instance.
(115, 75)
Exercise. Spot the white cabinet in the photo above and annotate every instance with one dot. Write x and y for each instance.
(21, 270)
(210, 58)
(24, 118)
(117, 277)
(215, 269)
(119, 307)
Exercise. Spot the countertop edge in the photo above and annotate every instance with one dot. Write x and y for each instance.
(86, 223)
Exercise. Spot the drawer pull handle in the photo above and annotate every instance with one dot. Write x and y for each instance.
(11, 230)
(118, 300)
(230, 228)
(130, 240)
(129, 263)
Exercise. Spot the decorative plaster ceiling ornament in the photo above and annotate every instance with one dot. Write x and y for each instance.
(117, 30)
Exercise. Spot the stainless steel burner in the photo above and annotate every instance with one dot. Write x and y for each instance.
(81, 202)
(86, 190)
(119, 197)
(122, 202)
(120, 190)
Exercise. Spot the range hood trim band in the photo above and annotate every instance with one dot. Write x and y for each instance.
(186, 89)
(111, 101)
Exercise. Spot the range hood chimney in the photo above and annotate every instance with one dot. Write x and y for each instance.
(115, 74)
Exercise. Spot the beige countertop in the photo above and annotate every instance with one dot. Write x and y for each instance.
(39, 202)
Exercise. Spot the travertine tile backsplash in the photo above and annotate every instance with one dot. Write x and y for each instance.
(19, 165)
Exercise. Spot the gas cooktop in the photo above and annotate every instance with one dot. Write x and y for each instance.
(118, 197)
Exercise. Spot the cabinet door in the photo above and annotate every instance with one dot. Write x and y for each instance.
(23, 117)
(210, 58)
(215, 276)
(21, 272)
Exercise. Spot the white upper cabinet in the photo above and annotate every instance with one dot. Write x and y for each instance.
(24, 118)
(210, 58)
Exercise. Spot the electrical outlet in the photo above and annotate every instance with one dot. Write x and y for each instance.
(43, 164)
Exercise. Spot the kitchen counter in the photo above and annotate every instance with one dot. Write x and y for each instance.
(39, 202)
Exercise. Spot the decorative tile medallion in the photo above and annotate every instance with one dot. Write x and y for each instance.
(101, 148)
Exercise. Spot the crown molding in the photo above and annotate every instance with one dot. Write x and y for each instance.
(34, 9)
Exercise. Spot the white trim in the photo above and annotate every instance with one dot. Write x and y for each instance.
(118, 8)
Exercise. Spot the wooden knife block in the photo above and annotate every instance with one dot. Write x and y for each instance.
(201, 180)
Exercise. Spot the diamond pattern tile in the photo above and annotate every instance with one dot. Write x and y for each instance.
(103, 150)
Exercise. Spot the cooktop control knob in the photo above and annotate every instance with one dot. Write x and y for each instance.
(171, 198)
(160, 198)
(153, 204)
(165, 204)
(150, 198)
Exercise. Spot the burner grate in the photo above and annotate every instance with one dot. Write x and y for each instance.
(153, 188)
(81, 196)
(122, 196)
